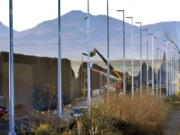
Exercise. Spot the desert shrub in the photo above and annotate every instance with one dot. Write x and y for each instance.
(176, 97)
(173, 98)
(178, 94)
(46, 99)
(142, 114)
(94, 124)
(44, 129)
(37, 121)
(68, 132)
(114, 114)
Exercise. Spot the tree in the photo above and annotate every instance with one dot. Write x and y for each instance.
(50, 91)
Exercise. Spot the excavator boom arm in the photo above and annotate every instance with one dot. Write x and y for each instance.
(117, 74)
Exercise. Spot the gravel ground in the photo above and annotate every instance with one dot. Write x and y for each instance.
(173, 123)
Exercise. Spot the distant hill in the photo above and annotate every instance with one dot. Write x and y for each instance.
(3, 30)
(42, 39)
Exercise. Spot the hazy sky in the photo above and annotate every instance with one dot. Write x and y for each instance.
(28, 13)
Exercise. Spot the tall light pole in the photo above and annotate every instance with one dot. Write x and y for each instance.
(167, 74)
(59, 63)
(132, 56)
(171, 67)
(152, 59)
(108, 60)
(156, 68)
(160, 75)
(158, 82)
(178, 71)
(83, 77)
(140, 29)
(88, 62)
(173, 74)
(147, 58)
(173, 85)
(124, 54)
(11, 72)
(175, 77)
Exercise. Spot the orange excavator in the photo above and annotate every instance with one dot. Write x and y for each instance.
(114, 72)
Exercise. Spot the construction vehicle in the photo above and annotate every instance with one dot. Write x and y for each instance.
(114, 72)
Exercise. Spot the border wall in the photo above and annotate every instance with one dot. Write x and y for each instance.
(34, 74)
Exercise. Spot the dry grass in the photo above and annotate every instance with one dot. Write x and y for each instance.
(141, 114)
(95, 124)
(113, 115)
(44, 129)
(36, 122)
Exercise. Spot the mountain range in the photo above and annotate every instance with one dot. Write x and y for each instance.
(41, 40)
